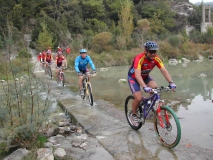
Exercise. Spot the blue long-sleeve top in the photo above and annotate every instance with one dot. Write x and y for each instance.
(81, 63)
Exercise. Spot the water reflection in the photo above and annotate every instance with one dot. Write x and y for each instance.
(192, 100)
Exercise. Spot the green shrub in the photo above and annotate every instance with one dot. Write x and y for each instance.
(167, 51)
(24, 53)
(175, 41)
(101, 42)
(190, 51)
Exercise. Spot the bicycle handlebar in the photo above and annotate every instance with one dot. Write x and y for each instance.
(47, 62)
(161, 89)
(62, 67)
(90, 73)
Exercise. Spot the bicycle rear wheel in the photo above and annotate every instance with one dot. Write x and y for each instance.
(171, 134)
(90, 96)
(128, 112)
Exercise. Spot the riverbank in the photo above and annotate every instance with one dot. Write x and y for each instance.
(106, 133)
(108, 125)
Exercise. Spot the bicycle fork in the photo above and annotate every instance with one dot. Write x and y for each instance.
(160, 115)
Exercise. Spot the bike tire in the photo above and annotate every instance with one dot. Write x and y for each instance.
(62, 79)
(128, 111)
(84, 88)
(49, 71)
(58, 78)
(90, 96)
(171, 134)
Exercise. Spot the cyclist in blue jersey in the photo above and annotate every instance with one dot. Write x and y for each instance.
(81, 63)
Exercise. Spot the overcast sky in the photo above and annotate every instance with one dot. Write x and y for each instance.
(195, 1)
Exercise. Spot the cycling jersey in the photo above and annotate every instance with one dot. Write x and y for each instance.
(49, 58)
(81, 63)
(144, 64)
(68, 50)
(60, 49)
(43, 56)
(59, 60)
(40, 57)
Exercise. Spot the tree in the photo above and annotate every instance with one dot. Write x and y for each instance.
(142, 28)
(93, 9)
(96, 25)
(160, 15)
(45, 38)
(126, 19)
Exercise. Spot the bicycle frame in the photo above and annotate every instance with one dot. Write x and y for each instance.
(166, 123)
(60, 71)
(87, 88)
(86, 80)
(60, 76)
(155, 105)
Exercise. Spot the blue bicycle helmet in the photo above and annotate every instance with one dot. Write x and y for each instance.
(150, 45)
(83, 51)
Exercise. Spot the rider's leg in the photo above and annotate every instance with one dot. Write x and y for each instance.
(151, 83)
(80, 78)
(137, 99)
(136, 91)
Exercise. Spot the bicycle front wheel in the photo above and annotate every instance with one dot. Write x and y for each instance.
(90, 96)
(62, 77)
(50, 72)
(128, 112)
(170, 135)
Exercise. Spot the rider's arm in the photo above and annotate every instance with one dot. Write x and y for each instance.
(52, 58)
(139, 78)
(91, 63)
(166, 74)
(65, 61)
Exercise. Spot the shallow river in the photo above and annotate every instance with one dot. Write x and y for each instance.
(192, 100)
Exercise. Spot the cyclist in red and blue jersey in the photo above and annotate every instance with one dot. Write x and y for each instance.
(81, 63)
(138, 75)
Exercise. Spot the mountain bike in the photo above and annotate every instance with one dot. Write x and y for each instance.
(42, 65)
(166, 122)
(87, 88)
(48, 70)
(61, 76)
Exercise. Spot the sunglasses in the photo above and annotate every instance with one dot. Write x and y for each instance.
(152, 52)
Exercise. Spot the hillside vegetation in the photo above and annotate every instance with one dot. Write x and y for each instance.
(104, 27)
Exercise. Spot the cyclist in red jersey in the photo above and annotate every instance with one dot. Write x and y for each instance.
(39, 58)
(42, 58)
(60, 49)
(49, 57)
(138, 75)
(59, 61)
(67, 51)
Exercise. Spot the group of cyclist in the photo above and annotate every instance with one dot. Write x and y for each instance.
(81, 62)
(46, 57)
(138, 74)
